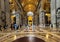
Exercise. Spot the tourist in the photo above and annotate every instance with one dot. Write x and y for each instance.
(0, 28)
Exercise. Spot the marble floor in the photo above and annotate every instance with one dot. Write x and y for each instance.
(29, 39)
(47, 34)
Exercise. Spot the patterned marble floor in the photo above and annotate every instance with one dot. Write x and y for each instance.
(42, 33)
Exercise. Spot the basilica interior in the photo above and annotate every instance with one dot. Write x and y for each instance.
(29, 20)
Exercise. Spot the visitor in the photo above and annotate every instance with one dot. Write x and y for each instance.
(5, 27)
(15, 26)
(11, 26)
(0, 28)
(20, 25)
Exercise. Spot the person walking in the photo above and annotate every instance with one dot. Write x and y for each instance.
(0, 28)
(15, 26)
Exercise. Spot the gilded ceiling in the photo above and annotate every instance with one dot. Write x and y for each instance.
(29, 5)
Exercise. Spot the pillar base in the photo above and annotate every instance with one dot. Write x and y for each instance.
(54, 25)
(42, 25)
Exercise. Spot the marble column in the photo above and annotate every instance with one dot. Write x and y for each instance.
(42, 18)
(57, 3)
(36, 19)
(25, 20)
(53, 13)
(2, 5)
(2, 12)
(20, 19)
(58, 12)
(8, 15)
(17, 19)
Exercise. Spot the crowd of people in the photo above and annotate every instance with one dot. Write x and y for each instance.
(12, 27)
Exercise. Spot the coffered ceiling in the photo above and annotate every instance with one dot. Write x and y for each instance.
(29, 5)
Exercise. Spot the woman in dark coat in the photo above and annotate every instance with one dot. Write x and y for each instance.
(0, 28)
